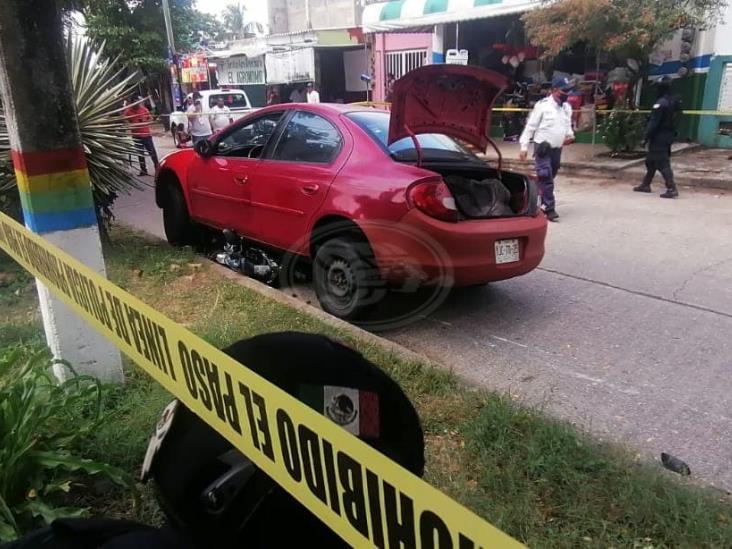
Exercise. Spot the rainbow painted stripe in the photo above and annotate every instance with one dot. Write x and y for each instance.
(55, 190)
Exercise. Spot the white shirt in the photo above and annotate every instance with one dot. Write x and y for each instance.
(220, 117)
(200, 124)
(549, 121)
(297, 96)
(313, 96)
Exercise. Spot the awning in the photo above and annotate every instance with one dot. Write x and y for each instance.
(248, 51)
(405, 14)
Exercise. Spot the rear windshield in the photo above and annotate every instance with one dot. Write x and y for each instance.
(434, 146)
(231, 100)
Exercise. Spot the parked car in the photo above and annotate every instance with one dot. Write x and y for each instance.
(344, 187)
(237, 100)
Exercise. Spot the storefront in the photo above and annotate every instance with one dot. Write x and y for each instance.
(333, 60)
(394, 55)
(407, 34)
(490, 34)
(705, 60)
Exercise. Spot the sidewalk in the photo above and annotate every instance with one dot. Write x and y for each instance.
(693, 165)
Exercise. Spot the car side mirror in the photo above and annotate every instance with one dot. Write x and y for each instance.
(204, 148)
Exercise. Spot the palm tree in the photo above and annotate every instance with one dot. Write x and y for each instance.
(99, 86)
(235, 20)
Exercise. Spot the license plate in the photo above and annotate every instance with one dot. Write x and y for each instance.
(507, 251)
(156, 441)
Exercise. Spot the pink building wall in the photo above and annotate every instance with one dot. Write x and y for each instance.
(390, 42)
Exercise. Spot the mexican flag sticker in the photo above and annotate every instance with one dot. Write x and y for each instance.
(356, 411)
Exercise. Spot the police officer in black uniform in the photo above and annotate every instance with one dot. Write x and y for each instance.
(660, 134)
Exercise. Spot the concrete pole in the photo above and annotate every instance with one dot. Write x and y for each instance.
(51, 170)
(438, 44)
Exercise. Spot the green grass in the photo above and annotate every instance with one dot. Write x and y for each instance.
(538, 479)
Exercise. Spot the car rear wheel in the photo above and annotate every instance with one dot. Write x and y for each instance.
(346, 278)
(179, 230)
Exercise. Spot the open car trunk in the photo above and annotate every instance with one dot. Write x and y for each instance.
(481, 192)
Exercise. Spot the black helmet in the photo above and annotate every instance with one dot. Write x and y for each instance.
(219, 498)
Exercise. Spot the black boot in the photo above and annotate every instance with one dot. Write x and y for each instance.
(643, 188)
(668, 178)
(671, 192)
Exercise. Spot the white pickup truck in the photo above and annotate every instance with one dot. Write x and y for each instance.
(237, 101)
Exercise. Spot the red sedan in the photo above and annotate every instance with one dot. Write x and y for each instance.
(370, 199)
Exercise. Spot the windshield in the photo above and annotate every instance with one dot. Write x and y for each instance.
(232, 100)
(434, 146)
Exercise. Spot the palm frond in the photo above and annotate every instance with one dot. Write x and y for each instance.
(99, 84)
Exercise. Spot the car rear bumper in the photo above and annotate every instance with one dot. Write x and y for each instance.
(461, 254)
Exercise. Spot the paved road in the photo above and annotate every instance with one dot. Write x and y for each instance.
(625, 328)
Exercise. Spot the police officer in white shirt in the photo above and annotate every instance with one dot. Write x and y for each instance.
(550, 127)
(220, 115)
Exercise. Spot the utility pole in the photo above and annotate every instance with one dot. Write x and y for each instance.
(176, 91)
(51, 170)
(168, 26)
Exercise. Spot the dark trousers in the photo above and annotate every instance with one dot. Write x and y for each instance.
(546, 170)
(146, 143)
(659, 160)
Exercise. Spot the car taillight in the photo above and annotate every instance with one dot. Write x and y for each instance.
(434, 198)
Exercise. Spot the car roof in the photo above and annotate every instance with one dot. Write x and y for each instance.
(338, 108)
(212, 92)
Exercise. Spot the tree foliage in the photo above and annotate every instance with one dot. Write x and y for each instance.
(623, 131)
(632, 28)
(235, 20)
(134, 30)
(99, 85)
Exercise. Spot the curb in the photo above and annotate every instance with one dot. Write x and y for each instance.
(391, 347)
(580, 169)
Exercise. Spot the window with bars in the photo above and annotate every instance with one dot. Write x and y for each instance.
(400, 63)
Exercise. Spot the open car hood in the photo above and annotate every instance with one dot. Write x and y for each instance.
(454, 100)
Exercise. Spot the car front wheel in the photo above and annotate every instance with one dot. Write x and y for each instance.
(179, 229)
(346, 278)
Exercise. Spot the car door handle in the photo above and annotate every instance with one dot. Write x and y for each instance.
(310, 189)
(241, 179)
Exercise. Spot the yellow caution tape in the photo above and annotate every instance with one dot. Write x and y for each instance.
(599, 111)
(626, 111)
(366, 498)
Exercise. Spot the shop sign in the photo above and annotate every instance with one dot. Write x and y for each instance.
(290, 66)
(194, 69)
(191, 75)
(241, 70)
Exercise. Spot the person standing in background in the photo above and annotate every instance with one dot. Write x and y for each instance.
(140, 120)
(312, 94)
(550, 127)
(274, 96)
(298, 95)
(389, 87)
(220, 115)
(200, 124)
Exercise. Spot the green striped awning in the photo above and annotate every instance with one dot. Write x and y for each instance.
(404, 14)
